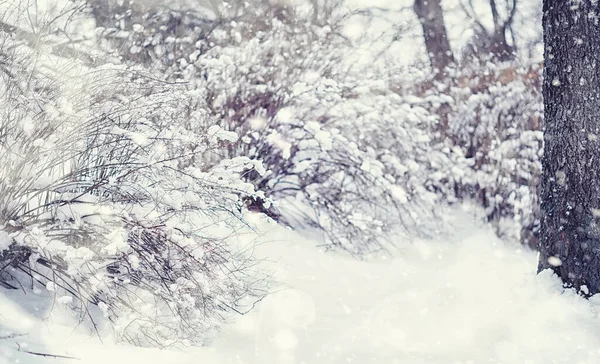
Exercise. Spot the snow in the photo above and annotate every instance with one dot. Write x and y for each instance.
(279, 142)
(469, 298)
(217, 133)
(5, 240)
(257, 123)
(399, 194)
(554, 261)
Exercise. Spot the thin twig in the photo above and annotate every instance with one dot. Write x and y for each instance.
(45, 354)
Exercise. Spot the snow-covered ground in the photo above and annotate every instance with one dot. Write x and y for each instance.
(470, 299)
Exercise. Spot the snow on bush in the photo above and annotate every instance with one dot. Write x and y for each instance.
(500, 129)
(336, 141)
(494, 118)
(358, 154)
(105, 197)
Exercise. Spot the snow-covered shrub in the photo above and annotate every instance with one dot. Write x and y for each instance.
(361, 157)
(336, 141)
(494, 117)
(355, 158)
(105, 198)
(500, 128)
(357, 154)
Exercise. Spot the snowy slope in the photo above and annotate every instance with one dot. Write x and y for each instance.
(472, 299)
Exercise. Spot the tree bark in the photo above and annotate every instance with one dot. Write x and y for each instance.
(570, 230)
(431, 16)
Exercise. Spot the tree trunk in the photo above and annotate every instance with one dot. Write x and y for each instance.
(570, 231)
(431, 16)
(500, 49)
